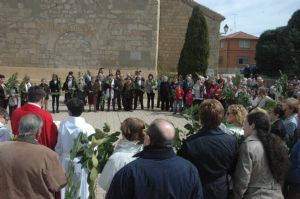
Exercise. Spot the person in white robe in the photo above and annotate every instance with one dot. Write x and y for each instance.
(69, 131)
(130, 144)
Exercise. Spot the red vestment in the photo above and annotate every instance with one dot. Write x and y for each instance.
(49, 133)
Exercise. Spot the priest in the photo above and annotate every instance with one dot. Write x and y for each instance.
(36, 96)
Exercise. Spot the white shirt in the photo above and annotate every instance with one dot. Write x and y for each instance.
(69, 130)
(35, 104)
(122, 155)
(27, 86)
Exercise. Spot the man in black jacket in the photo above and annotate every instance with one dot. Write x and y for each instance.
(157, 173)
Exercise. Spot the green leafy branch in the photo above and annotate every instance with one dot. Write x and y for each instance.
(93, 152)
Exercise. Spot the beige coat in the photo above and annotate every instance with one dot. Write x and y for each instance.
(29, 170)
(252, 178)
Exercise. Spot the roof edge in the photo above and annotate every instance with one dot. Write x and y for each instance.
(208, 12)
(236, 35)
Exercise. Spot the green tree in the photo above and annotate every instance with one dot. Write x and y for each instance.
(279, 49)
(294, 37)
(195, 52)
(294, 22)
(269, 51)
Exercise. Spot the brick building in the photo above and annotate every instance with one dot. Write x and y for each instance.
(236, 50)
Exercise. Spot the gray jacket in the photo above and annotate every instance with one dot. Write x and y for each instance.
(253, 178)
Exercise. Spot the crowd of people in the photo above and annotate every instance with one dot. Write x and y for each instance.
(116, 91)
(210, 163)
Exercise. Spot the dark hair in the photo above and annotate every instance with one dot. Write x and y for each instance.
(276, 153)
(75, 107)
(54, 76)
(211, 113)
(150, 75)
(35, 94)
(133, 129)
(278, 129)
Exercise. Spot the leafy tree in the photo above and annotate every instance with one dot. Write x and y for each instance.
(271, 51)
(195, 52)
(279, 49)
(294, 22)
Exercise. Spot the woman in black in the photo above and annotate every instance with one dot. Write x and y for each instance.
(55, 88)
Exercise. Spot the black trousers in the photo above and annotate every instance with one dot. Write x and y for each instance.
(138, 97)
(100, 101)
(117, 98)
(165, 106)
(55, 101)
(150, 99)
(127, 103)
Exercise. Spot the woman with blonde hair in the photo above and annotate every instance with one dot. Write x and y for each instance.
(236, 115)
(290, 107)
(132, 130)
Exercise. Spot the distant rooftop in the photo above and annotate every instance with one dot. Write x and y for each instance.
(239, 35)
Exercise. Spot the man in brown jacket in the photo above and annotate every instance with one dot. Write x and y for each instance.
(28, 169)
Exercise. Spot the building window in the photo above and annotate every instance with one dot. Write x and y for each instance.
(222, 44)
(243, 60)
(244, 44)
(221, 60)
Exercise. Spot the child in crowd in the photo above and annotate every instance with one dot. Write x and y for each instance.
(179, 94)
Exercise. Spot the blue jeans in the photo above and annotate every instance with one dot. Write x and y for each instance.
(179, 104)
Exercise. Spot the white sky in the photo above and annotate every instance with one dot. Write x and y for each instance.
(253, 16)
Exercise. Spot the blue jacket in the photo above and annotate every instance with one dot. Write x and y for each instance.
(157, 174)
(213, 152)
(294, 171)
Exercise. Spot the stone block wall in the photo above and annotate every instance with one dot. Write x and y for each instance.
(174, 17)
(79, 34)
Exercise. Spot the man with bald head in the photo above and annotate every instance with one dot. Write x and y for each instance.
(28, 169)
(157, 172)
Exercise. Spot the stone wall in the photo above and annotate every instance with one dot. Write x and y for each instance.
(79, 34)
(174, 17)
(63, 35)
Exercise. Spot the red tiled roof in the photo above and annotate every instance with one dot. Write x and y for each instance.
(239, 35)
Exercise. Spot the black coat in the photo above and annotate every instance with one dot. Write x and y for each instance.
(157, 174)
(165, 90)
(213, 152)
(54, 87)
(3, 100)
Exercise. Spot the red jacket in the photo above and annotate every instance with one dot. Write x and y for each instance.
(189, 98)
(49, 131)
(179, 93)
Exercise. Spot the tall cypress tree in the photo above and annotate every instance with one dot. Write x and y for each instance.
(195, 51)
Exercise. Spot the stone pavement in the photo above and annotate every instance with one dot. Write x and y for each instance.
(114, 119)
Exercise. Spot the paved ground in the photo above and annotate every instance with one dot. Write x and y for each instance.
(114, 119)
